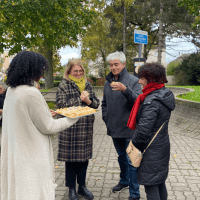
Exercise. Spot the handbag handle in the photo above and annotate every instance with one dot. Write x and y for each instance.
(154, 137)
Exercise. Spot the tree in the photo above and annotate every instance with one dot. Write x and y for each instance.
(193, 7)
(145, 15)
(55, 59)
(191, 67)
(96, 43)
(47, 23)
(1, 63)
(140, 14)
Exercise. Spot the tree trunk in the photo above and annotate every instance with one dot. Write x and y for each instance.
(160, 36)
(49, 82)
(124, 30)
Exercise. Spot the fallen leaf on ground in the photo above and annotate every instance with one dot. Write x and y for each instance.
(175, 156)
(56, 166)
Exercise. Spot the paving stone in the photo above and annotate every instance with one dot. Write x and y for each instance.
(183, 182)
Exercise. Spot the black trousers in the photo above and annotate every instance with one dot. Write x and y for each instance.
(75, 171)
(156, 192)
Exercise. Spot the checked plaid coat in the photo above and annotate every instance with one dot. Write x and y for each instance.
(75, 143)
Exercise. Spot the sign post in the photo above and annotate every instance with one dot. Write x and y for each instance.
(140, 37)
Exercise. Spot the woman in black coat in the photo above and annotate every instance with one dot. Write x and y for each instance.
(151, 110)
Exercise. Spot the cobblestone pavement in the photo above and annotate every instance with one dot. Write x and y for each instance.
(183, 182)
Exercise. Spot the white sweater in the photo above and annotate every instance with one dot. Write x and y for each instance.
(27, 163)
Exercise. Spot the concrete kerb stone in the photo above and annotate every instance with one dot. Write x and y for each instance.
(184, 102)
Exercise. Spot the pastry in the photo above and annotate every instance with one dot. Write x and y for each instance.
(75, 111)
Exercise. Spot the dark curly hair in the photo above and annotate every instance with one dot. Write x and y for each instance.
(25, 68)
(153, 72)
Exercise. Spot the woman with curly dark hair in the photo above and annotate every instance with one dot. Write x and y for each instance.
(27, 162)
(151, 110)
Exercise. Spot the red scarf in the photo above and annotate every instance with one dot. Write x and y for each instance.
(150, 87)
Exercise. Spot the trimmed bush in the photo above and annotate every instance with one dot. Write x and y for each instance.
(56, 83)
(94, 79)
(58, 78)
(181, 77)
(42, 83)
(188, 72)
(171, 68)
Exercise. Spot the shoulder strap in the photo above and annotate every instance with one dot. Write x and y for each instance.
(154, 137)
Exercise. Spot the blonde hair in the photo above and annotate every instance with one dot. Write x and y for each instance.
(71, 63)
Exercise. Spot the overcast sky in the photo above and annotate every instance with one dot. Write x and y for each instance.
(174, 48)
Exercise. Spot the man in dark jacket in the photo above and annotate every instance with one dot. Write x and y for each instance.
(120, 92)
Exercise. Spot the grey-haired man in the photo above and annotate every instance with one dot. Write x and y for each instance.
(120, 92)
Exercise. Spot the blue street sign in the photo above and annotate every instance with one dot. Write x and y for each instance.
(140, 37)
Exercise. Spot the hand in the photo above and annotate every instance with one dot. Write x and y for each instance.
(85, 93)
(85, 97)
(118, 86)
(53, 113)
(1, 110)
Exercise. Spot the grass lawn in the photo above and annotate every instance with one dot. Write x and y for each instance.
(192, 96)
(43, 90)
(52, 105)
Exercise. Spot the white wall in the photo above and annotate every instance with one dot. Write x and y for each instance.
(171, 80)
(153, 57)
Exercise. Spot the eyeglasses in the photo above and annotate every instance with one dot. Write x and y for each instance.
(76, 71)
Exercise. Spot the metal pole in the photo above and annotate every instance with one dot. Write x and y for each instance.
(160, 41)
(140, 50)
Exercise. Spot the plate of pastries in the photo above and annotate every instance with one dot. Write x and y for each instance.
(79, 111)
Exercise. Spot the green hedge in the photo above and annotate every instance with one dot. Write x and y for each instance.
(188, 72)
(171, 68)
(56, 83)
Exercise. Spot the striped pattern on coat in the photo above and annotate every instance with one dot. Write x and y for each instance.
(75, 143)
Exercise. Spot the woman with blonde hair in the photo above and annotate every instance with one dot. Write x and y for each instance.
(75, 143)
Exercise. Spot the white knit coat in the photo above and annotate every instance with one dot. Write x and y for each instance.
(27, 162)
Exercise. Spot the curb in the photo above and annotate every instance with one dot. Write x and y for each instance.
(184, 102)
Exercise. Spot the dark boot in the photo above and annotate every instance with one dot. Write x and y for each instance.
(72, 194)
(83, 191)
(119, 187)
(132, 198)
